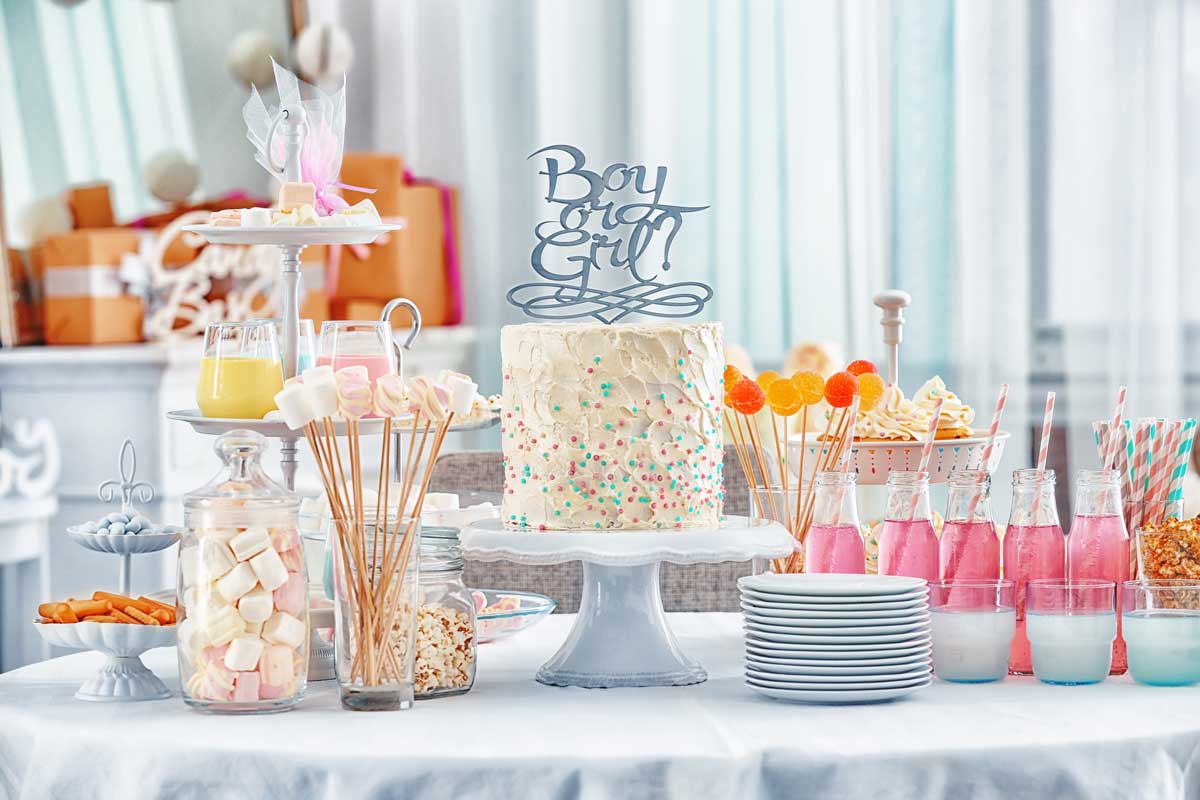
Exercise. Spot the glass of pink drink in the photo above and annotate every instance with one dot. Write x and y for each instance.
(1098, 547)
(353, 343)
(835, 541)
(969, 548)
(907, 543)
(1034, 549)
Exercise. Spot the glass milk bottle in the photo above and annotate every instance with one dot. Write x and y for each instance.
(835, 541)
(969, 548)
(242, 590)
(907, 543)
(1098, 547)
(1034, 548)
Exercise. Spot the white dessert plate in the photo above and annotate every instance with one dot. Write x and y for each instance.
(857, 624)
(822, 686)
(832, 585)
(848, 640)
(783, 616)
(818, 652)
(840, 697)
(814, 681)
(292, 234)
(853, 668)
(752, 599)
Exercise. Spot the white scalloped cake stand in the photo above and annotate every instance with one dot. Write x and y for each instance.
(621, 637)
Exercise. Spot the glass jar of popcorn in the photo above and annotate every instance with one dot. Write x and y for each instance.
(243, 592)
(445, 662)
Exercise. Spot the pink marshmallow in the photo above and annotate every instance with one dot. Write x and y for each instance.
(268, 692)
(290, 596)
(285, 539)
(245, 688)
(292, 559)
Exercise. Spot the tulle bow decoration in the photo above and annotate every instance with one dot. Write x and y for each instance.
(324, 138)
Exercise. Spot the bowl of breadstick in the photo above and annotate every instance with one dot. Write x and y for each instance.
(119, 627)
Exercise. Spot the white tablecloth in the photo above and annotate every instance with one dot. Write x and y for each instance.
(511, 737)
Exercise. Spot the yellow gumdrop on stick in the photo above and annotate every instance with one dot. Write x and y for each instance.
(811, 386)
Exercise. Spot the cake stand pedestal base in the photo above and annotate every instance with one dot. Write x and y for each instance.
(621, 637)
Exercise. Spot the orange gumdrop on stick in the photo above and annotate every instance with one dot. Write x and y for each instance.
(784, 397)
(840, 389)
(811, 386)
(862, 367)
(747, 397)
(731, 377)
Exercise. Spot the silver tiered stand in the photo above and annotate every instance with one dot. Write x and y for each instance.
(621, 637)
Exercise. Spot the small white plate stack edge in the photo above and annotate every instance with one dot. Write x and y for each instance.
(836, 638)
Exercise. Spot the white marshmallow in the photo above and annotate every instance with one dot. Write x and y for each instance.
(240, 580)
(223, 626)
(243, 653)
(215, 560)
(256, 606)
(295, 404)
(462, 394)
(440, 501)
(187, 634)
(284, 629)
(189, 559)
(250, 542)
(256, 217)
(323, 388)
(254, 629)
(269, 568)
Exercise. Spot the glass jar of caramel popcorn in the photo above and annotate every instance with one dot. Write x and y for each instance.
(445, 657)
(243, 632)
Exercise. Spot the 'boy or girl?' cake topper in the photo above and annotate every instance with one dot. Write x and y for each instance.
(567, 293)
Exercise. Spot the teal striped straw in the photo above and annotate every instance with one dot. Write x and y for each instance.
(1182, 457)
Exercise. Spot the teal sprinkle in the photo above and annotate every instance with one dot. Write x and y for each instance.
(568, 504)
(558, 513)
(608, 426)
(679, 438)
(625, 479)
(523, 480)
(513, 517)
(682, 376)
(616, 502)
(662, 395)
(606, 394)
(584, 403)
(679, 519)
(632, 463)
(583, 463)
(635, 409)
(601, 499)
(596, 359)
(556, 408)
(689, 384)
(597, 524)
(545, 489)
(680, 362)
(583, 447)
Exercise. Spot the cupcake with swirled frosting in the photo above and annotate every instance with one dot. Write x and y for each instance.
(956, 417)
(894, 418)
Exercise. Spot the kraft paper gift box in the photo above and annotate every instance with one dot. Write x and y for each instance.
(91, 206)
(85, 301)
(382, 172)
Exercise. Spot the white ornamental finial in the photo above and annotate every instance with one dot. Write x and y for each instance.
(893, 302)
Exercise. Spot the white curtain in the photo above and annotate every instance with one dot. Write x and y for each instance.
(1025, 169)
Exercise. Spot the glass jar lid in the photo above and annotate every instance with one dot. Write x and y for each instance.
(241, 490)
(441, 550)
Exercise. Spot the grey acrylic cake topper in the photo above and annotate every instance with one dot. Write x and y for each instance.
(568, 294)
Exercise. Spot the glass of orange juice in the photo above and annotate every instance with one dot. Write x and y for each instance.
(241, 372)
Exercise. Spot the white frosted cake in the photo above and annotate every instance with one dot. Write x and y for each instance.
(609, 427)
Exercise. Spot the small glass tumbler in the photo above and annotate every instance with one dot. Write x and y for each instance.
(972, 627)
(240, 373)
(376, 591)
(1071, 625)
(1162, 631)
(306, 350)
(778, 505)
(352, 343)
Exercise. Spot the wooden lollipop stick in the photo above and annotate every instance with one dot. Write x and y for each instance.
(745, 462)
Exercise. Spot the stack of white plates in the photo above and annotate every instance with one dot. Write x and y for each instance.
(836, 638)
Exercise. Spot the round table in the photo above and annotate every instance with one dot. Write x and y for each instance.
(514, 737)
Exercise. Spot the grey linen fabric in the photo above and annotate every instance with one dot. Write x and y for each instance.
(685, 587)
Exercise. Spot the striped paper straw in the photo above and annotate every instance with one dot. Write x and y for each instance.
(1183, 455)
(1047, 421)
(926, 452)
(1110, 457)
(1170, 456)
(1156, 474)
(1140, 470)
(986, 464)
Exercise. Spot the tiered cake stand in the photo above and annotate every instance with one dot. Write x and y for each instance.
(621, 637)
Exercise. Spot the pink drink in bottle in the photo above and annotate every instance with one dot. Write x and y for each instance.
(1099, 544)
(907, 543)
(835, 542)
(969, 548)
(1034, 548)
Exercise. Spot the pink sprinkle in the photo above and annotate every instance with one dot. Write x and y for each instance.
(589, 369)
(574, 439)
(602, 445)
(620, 442)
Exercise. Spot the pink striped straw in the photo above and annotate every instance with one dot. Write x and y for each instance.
(986, 464)
(926, 452)
(1114, 437)
(1047, 421)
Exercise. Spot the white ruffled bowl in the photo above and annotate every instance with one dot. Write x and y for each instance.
(874, 461)
(123, 678)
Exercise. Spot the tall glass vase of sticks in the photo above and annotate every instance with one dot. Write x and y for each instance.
(375, 574)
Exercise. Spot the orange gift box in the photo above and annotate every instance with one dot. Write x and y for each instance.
(84, 298)
(91, 206)
(382, 172)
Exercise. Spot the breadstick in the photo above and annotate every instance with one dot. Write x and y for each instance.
(50, 609)
(120, 616)
(121, 601)
(170, 609)
(88, 608)
(162, 616)
(140, 616)
(64, 615)
(104, 618)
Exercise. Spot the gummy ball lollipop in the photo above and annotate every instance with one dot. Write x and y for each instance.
(811, 386)
(840, 389)
(731, 377)
(870, 389)
(862, 367)
(747, 397)
(766, 378)
(784, 398)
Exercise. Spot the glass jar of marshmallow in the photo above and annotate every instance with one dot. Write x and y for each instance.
(242, 590)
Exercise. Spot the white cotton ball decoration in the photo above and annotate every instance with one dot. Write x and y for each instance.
(42, 218)
(323, 52)
(171, 177)
(249, 58)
